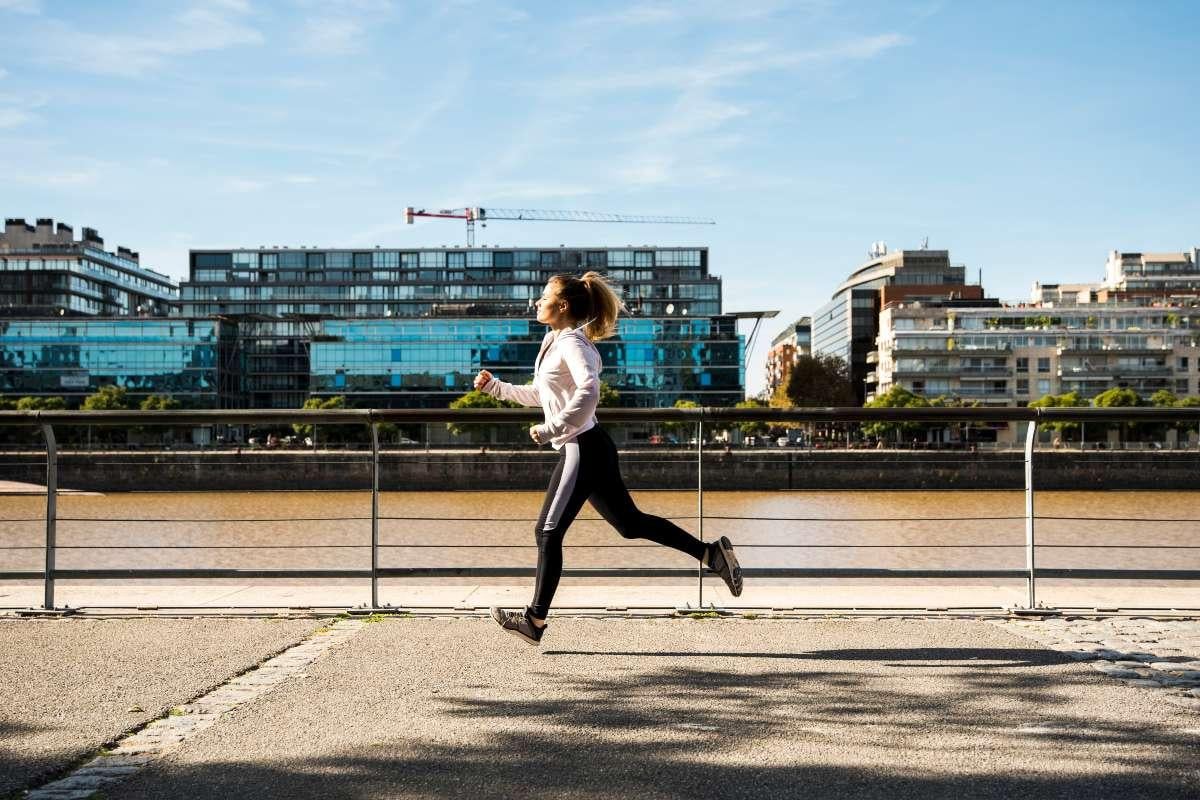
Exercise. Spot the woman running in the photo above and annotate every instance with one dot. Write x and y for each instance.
(566, 384)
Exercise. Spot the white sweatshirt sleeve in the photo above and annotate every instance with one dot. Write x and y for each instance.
(583, 362)
(525, 395)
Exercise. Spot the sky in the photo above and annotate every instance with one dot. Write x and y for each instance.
(1028, 139)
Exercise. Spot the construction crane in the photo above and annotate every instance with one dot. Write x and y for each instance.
(484, 215)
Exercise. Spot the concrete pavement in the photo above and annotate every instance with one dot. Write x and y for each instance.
(672, 708)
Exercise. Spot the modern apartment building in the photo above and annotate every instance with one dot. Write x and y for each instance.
(410, 328)
(1069, 341)
(46, 272)
(848, 324)
(788, 345)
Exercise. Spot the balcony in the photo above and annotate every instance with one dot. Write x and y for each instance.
(970, 373)
(873, 357)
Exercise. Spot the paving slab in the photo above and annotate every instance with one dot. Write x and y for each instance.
(69, 686)
(658, 708)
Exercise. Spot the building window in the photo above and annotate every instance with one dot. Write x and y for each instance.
(1023, 386)
(1181, 386)
(1043, 387)
(1183, 363)
(1023, 366)
(1043, 365)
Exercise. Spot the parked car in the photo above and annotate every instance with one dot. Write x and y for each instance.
(782, 441)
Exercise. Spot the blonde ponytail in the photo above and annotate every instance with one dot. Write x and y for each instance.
(606, 305)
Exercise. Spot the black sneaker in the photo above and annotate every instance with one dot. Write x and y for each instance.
(518, 624)
(723, 561)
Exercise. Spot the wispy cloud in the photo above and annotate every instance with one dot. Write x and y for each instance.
(21, 6)
(331, 36)
(239, 185)
(340, 27)
(660, 13)
(3, 73)
(728, 65)
(204, 26)
(12, 117)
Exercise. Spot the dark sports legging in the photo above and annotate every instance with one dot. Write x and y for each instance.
(588, 470)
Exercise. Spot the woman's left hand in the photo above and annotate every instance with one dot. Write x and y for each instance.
(536, 435)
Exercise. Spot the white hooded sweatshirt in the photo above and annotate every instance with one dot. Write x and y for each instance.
(566, 384)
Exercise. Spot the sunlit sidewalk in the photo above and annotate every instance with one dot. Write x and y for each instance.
(660, 708)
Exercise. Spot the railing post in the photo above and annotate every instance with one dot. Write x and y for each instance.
(374, 514)
(700, 503)
(51, 512)
(1030, 438)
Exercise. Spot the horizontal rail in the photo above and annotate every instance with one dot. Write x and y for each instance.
(365, 416)
(604, 572)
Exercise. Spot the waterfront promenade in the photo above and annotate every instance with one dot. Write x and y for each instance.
(877, 707)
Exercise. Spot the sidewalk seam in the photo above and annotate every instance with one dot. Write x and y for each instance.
(160, 736)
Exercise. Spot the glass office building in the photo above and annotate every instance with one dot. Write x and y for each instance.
(428, 363)
(409, 328)
(72, 358)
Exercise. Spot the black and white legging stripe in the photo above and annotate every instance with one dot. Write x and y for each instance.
(588, 470)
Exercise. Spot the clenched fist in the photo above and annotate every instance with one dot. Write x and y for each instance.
(482, 379)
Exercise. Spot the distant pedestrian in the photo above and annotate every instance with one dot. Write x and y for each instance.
(566, 384)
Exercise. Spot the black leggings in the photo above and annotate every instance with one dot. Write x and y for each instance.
(588, 470)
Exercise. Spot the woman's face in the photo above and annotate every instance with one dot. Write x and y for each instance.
(551, 309)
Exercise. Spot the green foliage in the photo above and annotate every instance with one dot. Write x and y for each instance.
(1066, 400)
(41, 404)
(751, 428)
(475, 399)
(329, 433)
(108, 398)
(609, 397)
(1163, 398)
(817, 382)
(680, 427)
(896, 397)
(1116, 397)
(159, 402)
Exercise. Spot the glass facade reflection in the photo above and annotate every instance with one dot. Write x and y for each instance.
(72, 358)
(410, 328)
(427, 363)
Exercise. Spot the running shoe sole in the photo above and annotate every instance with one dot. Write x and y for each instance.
(734, 581)
(498, 615)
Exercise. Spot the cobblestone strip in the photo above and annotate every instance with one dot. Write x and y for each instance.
(1160, 654)
(167, 733)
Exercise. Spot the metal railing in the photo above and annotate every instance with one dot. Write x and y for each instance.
(372, 418)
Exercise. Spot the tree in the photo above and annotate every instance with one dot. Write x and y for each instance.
(107, 398)
(159, 402)
(7, 405)
(41, 404)
(681, 426)
(475, 399)
(1117, 397)
(751, 427)
(333, 433)
(817, 381)
(1066, 400)
(1163, 398)
(609, 397)
(895, 397)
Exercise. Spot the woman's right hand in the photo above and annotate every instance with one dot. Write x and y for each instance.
(482, 379)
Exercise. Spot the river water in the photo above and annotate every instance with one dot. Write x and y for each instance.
(899, 530)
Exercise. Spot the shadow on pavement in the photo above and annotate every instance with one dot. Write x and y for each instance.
(950, 657)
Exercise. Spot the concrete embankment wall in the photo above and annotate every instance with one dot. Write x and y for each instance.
(761, 469)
